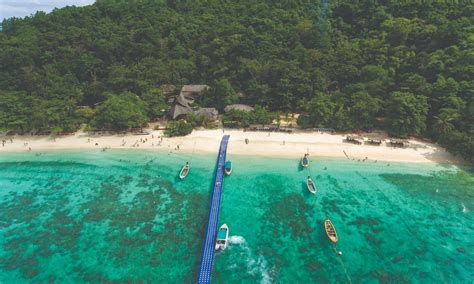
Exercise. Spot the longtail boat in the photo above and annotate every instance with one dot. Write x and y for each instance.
(184, 171)
(330, 230)
(311, 186)
(305, 161)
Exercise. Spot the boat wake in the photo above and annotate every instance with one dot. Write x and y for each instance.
(255, 265)
(236, 240)
(464, 208)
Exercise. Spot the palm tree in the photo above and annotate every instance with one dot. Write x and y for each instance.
(442, 124)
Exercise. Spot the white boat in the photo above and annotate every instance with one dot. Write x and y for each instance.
(184, 171)
(222, 236)
(311, 186)
(228, 168)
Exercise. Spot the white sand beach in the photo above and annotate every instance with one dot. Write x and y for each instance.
(292, 145)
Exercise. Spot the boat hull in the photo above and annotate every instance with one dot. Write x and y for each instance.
(330, 231)
(222, 237)
(304, 162)
(228, 168)
(311, 186)
(184, 172)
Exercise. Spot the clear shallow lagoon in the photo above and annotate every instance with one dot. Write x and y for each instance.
(121, 215)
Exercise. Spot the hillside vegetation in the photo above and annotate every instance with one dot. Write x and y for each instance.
(400, 66)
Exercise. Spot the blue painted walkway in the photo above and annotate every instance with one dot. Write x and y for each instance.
(207, 258)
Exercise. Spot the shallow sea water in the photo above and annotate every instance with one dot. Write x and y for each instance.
(123, 215)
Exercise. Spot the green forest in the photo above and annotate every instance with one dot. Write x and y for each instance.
(406, 67)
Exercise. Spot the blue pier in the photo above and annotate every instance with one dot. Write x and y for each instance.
(207, 259)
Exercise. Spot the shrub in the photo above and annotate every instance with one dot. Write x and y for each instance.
(178, 128)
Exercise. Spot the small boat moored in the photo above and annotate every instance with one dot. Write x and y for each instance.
(330, 230)
(228, 168)
(222, 236)
(305, 161)
(184, 171)
(311, 186)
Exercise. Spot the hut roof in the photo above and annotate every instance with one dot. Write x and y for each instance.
(241, 107)
(194, 88)
(178, 110)
(181, 100)
(181, 103)
(209, 112)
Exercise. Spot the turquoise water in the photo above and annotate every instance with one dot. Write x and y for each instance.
(125, 216)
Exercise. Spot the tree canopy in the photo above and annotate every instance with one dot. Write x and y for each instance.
(120, 113)
(347, 65)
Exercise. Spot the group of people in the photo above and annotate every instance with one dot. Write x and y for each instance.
(4, 141)
(144, 140)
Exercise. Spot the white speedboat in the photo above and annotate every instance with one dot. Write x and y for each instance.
(228, 168)
(222, 236)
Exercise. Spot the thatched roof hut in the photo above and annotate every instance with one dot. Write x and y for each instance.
(181, 103)
(209, 112)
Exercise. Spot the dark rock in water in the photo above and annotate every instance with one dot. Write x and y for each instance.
(376, 231)
(423, 274)
(358, 222)
(461, 249)
(372, 239)
(419, 251)
(397, 259)
(432, 216)
(444, 234)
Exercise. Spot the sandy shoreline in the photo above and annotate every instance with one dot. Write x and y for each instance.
(260, 143)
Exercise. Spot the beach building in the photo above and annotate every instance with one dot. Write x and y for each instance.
(209, 112)
(240, 107)
(182, 102)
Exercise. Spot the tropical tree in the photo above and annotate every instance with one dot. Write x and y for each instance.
(120, 112)
(406, 114)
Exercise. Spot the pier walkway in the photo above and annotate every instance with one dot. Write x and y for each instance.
(207, 259)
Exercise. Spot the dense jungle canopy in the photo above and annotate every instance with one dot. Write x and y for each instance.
(406, 67)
